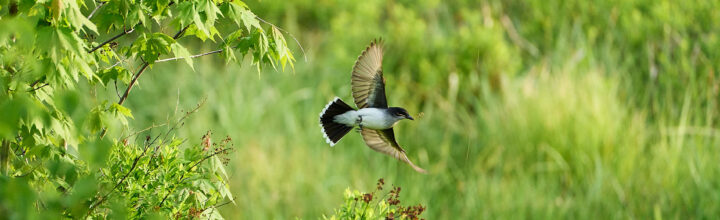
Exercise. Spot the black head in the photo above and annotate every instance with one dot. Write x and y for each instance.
(399, 113)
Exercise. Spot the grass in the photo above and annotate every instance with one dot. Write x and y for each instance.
(580, 130)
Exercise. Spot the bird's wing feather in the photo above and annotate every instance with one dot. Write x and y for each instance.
(368, 84)
(384, 141)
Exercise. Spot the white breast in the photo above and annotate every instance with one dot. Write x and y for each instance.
(372, 118)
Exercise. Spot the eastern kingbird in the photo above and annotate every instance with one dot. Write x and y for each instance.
(373, 117)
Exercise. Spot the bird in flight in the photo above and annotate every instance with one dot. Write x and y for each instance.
(373, 116)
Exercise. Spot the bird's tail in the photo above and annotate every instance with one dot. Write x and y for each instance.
(333, 131)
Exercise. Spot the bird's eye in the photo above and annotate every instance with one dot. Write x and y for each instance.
(398, 114)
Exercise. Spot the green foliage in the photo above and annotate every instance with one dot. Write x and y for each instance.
(613, 114)
(161, 179)
(377, 204)
(65, 150)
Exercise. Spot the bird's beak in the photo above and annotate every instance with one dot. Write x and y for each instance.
(409, 117)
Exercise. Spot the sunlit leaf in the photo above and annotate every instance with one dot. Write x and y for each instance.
(122, 110)
(180, 51)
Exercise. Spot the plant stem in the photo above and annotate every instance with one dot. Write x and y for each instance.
(111, 40)
(5, 157)
(132, 83)
(193, 56)
(95, 10)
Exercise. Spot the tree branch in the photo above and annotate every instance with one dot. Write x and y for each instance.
(5, 157)
(35, 82)
(143, 68)
(193, 56)
(111, 40)
(119, 35)
(181, 32)
(39, 87)
(95, 10)
(132, 82)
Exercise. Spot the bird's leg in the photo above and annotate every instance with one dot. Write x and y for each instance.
(359, 122)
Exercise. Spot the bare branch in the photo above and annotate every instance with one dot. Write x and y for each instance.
(180, 121)
(181, 32)
(35, 82)
(223, 204)
(132, 82)
(5, 157)
(39, 87)
(193, 56)
(95, 10)
(114, 65)
(111, 40)
(143, 130)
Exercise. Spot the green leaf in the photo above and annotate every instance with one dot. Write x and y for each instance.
(249, 19)
(94, 121)
(136, 15)
(150, 48)
(229, 54)
(211, 11)
(283, 52)
(14, 110)
(180, 51)
(122, 110)
(117, 73)
(75, 17)
(217, 166)
(185, 13)
(200, 24)
(193, 30)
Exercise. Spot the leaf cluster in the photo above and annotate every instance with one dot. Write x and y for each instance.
(368, 206)
(64, 149)
(163, 179)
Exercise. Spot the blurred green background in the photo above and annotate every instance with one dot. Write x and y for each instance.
(525, 109)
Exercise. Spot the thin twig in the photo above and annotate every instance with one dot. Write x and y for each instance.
(218, 206)
(223, 204)
(95, 10)
(193, 56)
(116, 89)
(143, 130)
(225, 150)
(35, 83)
(180, 121)
(114, 65)
(180, 33)
(132, 82)
(39, 87)
(177, 102)
(111, 40)
(287, 32)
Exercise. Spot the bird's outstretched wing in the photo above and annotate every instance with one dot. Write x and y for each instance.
(368, 84)
(384, 141)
